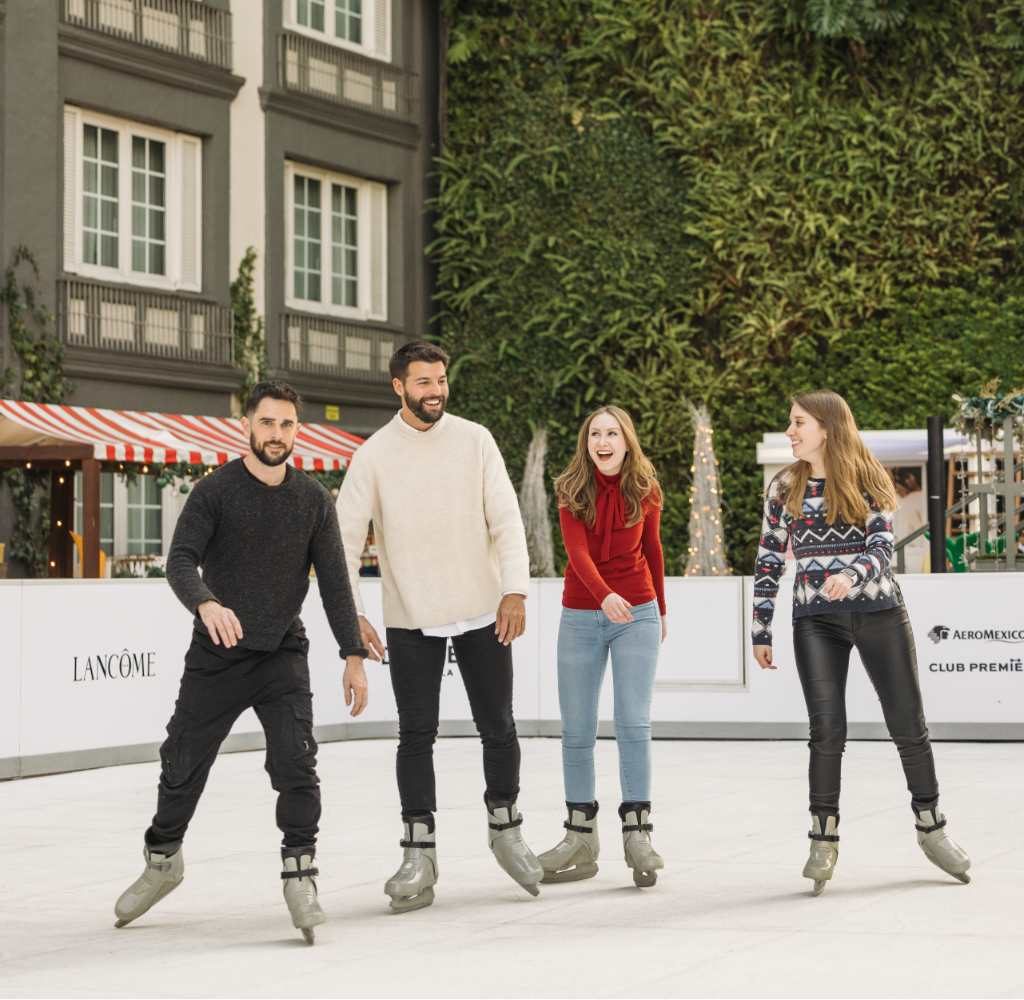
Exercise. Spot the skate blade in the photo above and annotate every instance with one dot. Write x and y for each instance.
(406, 904)
(963, 877)
(644, 880)
(819, 886)
(574, 874)
(309, 934)
(531, 887)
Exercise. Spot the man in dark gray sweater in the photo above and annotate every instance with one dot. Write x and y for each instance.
(255, 526)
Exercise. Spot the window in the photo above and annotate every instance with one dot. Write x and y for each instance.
(132, 202)
(337, 244)
(361, 25)
(145, 517)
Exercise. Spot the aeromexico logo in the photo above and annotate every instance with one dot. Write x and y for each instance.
(126, 665)
(1010, 635)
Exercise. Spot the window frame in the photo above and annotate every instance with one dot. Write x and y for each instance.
(364, 253)
(370, 15)
(173, 280)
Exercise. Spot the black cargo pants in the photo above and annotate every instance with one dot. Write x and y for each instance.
(217, 686)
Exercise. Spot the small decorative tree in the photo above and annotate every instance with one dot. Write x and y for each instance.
(706, 552)
(249, 340)
(533, 502)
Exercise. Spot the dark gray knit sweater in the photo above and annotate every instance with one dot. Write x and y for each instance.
(255, 544)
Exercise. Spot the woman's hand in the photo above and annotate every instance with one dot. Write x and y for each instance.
(763, 655)
(837, 586)
(616, 609)
(664, 628)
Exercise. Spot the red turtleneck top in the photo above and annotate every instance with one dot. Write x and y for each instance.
(610, 557)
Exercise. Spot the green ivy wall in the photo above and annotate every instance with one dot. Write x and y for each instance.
(729, 201)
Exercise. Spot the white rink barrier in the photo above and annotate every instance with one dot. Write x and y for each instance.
(90, 669)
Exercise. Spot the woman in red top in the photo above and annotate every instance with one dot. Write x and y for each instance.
(613, 602)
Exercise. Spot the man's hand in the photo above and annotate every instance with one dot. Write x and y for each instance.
(353, 683)
(221, 623)
(763, 655)
(837, 586)
(511, 623)
(369, 638)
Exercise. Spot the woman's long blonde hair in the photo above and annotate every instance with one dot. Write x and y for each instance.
(576, 487)
(851, 471)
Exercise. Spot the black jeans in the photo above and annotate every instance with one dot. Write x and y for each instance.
(217, 686)
(884, 639)
(417, 666)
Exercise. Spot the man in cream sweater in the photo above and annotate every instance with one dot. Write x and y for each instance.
(454, 565)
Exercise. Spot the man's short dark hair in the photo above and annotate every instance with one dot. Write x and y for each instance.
(272, 390)
(418, 350)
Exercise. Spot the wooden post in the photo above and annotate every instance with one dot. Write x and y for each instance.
(62, 513)
(91, 518)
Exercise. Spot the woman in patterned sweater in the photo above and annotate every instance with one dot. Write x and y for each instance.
(834, 505)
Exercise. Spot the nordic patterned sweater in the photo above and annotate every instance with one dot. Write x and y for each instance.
(862, 552)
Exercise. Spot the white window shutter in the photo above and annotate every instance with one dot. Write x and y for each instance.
(378, 213)
(191, 161)
(382, 29)
(72, 188)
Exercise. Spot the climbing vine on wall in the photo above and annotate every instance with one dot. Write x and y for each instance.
(39, 378)
(728, 202)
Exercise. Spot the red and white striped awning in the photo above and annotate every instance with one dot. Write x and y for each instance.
(161, 438)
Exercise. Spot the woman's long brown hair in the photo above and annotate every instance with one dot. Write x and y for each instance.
(576, 487)
(851, 471)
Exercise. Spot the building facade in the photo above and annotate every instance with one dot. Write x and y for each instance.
(146, 144)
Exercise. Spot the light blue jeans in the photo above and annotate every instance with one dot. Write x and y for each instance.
(584, 640)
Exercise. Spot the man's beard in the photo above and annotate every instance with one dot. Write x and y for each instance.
(419, 409)
(261, 453)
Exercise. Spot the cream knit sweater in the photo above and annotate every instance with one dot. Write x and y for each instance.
(449, 535)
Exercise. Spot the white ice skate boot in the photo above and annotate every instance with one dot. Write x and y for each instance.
(939, 848)
(163, 874)
(821, 862)
(300, 892)
(575, 857)
(506, 841)
(412, 886)
(636, 842)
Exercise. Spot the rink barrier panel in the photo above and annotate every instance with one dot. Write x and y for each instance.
(61, 710)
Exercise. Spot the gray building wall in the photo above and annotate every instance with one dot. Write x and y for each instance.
(321, 133)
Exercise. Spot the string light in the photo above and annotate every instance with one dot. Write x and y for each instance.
(706, 556)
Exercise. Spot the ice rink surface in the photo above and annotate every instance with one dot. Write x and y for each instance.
(730, 915)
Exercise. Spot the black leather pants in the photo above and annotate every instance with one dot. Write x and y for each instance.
(885, 642)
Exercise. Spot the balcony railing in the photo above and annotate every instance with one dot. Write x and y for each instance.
(189, 27)
(321, 70)
(323, 346)
(140, 322)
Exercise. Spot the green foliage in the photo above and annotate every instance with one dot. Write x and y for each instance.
(726, 202)
(249, 337)
(38, 379)
(860, 19)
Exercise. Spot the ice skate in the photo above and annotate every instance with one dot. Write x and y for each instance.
(821, 862)
(412, 886)
(300, 892)
(636, 842)
(163, 874)
(506, 841)
(575, 857)
(939, 848)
